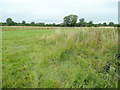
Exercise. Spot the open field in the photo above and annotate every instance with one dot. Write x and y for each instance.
(58, 57)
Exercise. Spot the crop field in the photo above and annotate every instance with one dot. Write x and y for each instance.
(59, 57)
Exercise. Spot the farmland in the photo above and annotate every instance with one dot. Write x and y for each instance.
(58, 57)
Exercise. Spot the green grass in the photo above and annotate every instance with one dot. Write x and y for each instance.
(58, 58)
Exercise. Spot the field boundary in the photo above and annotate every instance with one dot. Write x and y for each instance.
(55, 27)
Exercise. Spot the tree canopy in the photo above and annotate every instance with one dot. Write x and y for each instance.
(68, 21)
(9, 22)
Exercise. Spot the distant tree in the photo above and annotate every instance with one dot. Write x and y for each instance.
(32, 23)
(70, 20)
(53, 24)
(111, 24)
(66, 21)
(115, 25)
(90, 24)
(40, 24)
(47, 25)
(82, 22)
(23, 23)
(104, 24)
(58, 25)
(1, 24)
(9, 22)
(62, 25)
(99, 24)
(118, 25)
(96, 25)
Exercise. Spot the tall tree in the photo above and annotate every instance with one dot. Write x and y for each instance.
(23, 22)
(111, 24)
(90, 24)
(104, 24)
(33, 23)
(9, 22)
(82, 22)
(70, 20)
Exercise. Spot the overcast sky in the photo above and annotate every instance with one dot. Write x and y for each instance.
(50, 11)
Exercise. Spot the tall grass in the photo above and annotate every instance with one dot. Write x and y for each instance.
(59, 58)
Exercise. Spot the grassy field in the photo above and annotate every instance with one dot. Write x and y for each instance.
(58, 57)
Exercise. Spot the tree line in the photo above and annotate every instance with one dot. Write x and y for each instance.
(68, 21)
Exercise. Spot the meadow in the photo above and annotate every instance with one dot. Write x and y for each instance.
(58, 57)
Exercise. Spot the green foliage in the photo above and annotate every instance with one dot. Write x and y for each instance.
(32, 23)
(23, 22)
(58, 58)
(111, 24)
(9, 22)
(104, 24)
(70, 20)
(82, 22)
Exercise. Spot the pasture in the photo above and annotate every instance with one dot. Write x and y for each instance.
(35, 57)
